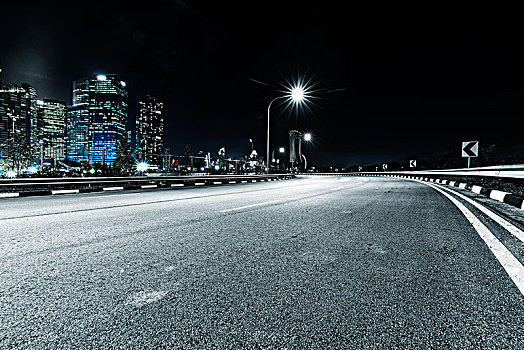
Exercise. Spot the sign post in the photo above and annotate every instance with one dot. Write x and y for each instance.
(470, 149)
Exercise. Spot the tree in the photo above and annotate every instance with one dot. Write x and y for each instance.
(125, 162)
(17, 154)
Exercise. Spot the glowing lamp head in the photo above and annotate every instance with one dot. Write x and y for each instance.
(307, 137)
(281, 149)
(142, 166)
(297, 94)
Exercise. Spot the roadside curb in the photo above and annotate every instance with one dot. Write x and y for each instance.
(158, 185)
(501, 196)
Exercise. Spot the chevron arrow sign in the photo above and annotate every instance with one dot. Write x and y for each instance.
(470, 149)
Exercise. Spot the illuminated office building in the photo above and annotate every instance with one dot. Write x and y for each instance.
(97, 118)
(51, 131)
(150, 129)
(18, 113)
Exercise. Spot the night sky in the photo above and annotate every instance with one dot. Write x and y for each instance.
(391, 82)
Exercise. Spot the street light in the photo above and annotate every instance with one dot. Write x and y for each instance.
(296, 95)
(307, 136)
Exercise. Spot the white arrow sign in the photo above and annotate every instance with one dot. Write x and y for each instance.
(413, 163)
(470, 149)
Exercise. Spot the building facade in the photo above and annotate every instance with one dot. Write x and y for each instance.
(150, 129)
(18, 114)
(51, 130)
(97, 118)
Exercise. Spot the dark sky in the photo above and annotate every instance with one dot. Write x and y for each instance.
(415, 80)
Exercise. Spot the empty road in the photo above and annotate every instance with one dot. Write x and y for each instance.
(309, 263)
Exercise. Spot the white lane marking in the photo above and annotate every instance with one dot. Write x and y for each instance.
(114, 195)
(200, 183)
(515, 231)
(250, 206)
(513, 267)
(217, 182)
(143, 298)
(232, 182)
(177, 185)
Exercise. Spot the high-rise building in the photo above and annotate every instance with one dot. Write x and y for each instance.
(18, 113)
(150, 129)
(51, 130)
(97, 119)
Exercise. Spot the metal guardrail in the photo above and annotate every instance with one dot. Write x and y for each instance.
(500, 171)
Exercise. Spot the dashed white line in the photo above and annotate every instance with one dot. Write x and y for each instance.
(250, 206)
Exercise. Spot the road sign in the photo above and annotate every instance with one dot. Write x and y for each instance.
(470, 149)
(413, 163)
(384, 166)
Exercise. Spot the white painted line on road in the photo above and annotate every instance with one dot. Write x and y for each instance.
(513, 267)
(515, 231)
(232, 182)
(177, 185)
(114, 195)
(217, 183)
(149, 186)
(9, 195)
(65, 191)
(112, 188)
(243, 181)
(200, 183)
(250, 206)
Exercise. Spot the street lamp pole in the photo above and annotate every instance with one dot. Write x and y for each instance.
(267, 145)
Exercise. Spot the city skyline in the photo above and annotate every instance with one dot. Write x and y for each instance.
(403, 86)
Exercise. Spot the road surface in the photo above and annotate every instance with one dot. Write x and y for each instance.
(309, 263)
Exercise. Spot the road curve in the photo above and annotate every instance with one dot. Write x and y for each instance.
(309, 263)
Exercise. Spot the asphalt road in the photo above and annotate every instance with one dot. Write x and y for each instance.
(309, 263)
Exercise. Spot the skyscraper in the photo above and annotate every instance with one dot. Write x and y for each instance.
(18, 113)
(51, 129)
(97, 119)
(150, 129)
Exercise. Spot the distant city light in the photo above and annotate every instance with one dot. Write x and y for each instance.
(92, 171)
(142, 166)
(123, 83)
(307, 137)
(281, 149)
(39, 102)
(10, 173)
(101, 77)
(32, 169)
